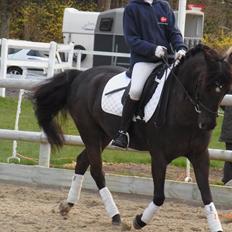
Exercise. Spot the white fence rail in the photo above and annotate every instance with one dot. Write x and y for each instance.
(44, 159)
(53, 63)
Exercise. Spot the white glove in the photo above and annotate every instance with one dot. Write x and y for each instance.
(160, 51)
(180, 54)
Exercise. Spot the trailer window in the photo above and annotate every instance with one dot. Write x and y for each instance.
(106, 24)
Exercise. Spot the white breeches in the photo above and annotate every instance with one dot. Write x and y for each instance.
(141, 71)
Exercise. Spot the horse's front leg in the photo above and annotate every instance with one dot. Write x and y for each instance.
(200, 164)
(158, 166)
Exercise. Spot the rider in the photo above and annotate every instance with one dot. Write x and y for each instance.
(150, 32)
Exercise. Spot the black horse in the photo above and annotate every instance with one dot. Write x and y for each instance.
(199, 84)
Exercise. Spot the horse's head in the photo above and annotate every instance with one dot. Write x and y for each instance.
(212, 85)
(212, 78)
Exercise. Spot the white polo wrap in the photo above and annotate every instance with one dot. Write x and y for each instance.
(108, 201)
(212, 217)
(75, 189)
(149, 212)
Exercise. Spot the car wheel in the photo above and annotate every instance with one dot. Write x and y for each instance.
(83, 56)
(14, 70)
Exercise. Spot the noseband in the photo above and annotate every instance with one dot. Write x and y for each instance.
(196, 100)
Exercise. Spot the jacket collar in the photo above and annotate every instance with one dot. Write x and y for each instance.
(140, 1)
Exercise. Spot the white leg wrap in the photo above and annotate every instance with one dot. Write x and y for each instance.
(75, 189)
(149, 212)
(212, 217)
(108, 201)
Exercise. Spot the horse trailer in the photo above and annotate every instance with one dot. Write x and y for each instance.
(78, 28)
(109, 29)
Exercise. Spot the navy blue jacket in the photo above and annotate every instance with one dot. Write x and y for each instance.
(147, 26)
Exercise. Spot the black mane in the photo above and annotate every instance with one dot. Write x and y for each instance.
(211, 56)
(207, 51)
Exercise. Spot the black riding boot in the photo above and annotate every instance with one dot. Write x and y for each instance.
(122, 138)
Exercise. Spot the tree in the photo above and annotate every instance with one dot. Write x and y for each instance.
(118, 3)
(7, 8)
(5, 18)
(104, 4)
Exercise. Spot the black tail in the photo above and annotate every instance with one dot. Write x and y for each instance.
(50, 98)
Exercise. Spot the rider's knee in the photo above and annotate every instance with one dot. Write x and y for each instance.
(135, 94)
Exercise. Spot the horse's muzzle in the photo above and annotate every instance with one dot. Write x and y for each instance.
(206, 122)
(206, 126)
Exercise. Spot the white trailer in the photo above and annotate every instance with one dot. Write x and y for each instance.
(78, 28)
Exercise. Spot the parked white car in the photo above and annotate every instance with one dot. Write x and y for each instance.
(25, 54)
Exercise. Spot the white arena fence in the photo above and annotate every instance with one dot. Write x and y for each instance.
(53, 64)
(52, 48)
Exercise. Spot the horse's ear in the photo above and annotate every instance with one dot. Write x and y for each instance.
(210, 56)
(228, 56)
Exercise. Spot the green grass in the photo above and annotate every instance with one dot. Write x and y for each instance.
(68, 154)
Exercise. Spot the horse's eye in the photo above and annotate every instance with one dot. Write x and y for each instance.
(218, 89)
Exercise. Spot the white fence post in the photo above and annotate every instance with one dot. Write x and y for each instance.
(182, 16)
(70, 54)
(3, 70)
(78, 65)
(52, 59)
(45, 148)
(44, 155)
(181, 25)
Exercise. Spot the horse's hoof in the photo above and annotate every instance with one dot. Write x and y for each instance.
(125, 226)
(138, 223)
(64, 208)
(116, 220)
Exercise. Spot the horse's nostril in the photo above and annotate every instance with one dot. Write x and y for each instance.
(200, 125)
(206, 126)
(203, 126)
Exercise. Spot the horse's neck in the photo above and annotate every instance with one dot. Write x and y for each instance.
(181, 95)
(180, 100)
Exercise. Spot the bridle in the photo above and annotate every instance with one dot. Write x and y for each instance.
(195, 101)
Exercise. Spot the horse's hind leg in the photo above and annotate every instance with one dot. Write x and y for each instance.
(94, 148)
(200, 164)
(95, 141)
(159, 166)
(82, 163)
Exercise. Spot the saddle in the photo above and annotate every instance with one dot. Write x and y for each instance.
(148, 91)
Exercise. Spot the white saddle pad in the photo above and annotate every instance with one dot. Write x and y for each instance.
(111, 103)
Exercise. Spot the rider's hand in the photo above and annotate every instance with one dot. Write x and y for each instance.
(180, 54)
(160, 51)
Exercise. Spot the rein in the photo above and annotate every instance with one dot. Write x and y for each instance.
(195, 101)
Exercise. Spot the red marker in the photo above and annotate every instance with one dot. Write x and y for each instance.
(163, 19)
